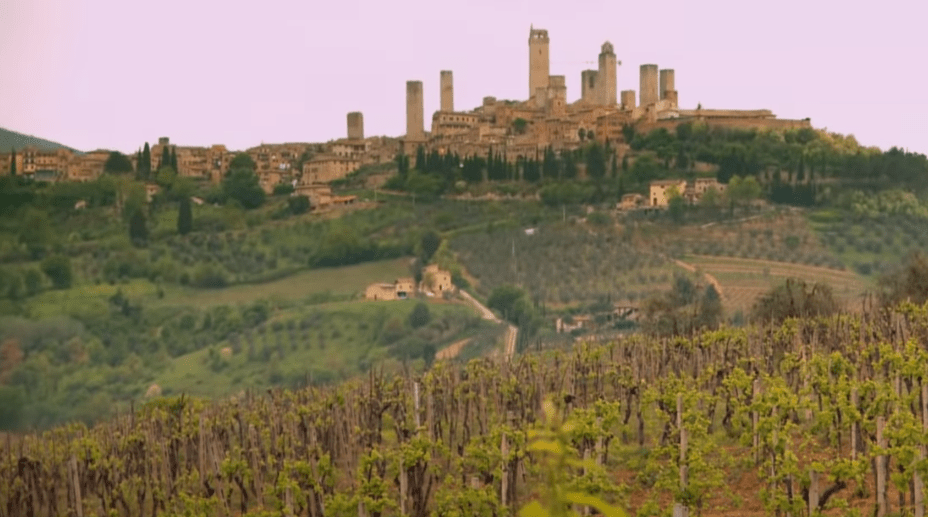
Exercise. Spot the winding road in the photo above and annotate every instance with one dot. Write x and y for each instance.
(511, 333)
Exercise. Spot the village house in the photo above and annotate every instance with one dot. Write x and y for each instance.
(327, 168)
(660, 191)
(436, 280)
(632, 201)
(400, 289)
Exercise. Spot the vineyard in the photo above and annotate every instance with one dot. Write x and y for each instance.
(777, 237)
(869, 245)
(743, 280)
(812, 417)
(563, 264)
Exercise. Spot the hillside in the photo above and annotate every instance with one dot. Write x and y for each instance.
(13, 140)
(775, 420)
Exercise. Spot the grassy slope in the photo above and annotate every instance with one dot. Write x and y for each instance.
(346, 280)
(334, 346)
(743, 280)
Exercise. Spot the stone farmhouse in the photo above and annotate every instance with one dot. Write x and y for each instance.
(398, 290)
(434, 281)
(692, 192)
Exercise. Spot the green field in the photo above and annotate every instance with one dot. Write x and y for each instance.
(339, 282)
(320, 343)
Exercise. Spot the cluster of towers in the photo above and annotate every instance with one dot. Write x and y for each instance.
(597, 88)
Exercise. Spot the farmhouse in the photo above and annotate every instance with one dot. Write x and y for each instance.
(660, 191)
(398, 290)
(436, 280)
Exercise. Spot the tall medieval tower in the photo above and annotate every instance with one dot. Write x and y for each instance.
(447, 91)
(415, 119)
(606, 78)
(538, 61)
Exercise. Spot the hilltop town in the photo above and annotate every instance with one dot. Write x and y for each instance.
(510, 129)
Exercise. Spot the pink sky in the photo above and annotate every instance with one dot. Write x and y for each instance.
(116, 73)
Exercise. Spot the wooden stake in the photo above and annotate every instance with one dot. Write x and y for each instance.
(919, 495)
(755, 421)
(881, 500)
(680, 510)
(76, 487)
(504, 485)
(813, 492)
(855, 425)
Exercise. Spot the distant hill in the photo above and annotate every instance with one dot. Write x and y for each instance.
(13, 140)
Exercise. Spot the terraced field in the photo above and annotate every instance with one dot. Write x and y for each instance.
(743, 280)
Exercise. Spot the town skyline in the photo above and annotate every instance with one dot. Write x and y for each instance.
(193, 75)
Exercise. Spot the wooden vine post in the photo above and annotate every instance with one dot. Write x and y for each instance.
(880, 461)
(679, 509)
(504, 479)
(755, 421)
(919, 494)
(855, 425)
(813, 492)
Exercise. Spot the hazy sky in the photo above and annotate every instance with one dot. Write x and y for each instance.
(116, 73)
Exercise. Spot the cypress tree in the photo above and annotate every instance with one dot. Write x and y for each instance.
(138, 165)
(138, 232)
(184, 216)
(174, 159)
(12, 162)
(165, 158)
(145, 166)
(420, 159)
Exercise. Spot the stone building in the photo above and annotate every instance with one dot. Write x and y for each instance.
(327, 168)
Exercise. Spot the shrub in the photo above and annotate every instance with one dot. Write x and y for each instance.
(58, 270)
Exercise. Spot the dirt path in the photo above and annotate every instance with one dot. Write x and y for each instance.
(709, 278)
(724, 261)
(451, 351)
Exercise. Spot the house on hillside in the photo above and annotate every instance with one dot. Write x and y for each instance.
(632, 202)
(660, 191)
(398, 290)
(436, 280)
(692, 192)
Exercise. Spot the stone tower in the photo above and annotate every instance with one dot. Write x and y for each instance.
(648, 93)
(415, 118)
(628, 99)
(447, 91)
(606, 78)
(539, 65)
(557, 96)
(666, 82)
(355, 126)
(588, 86)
